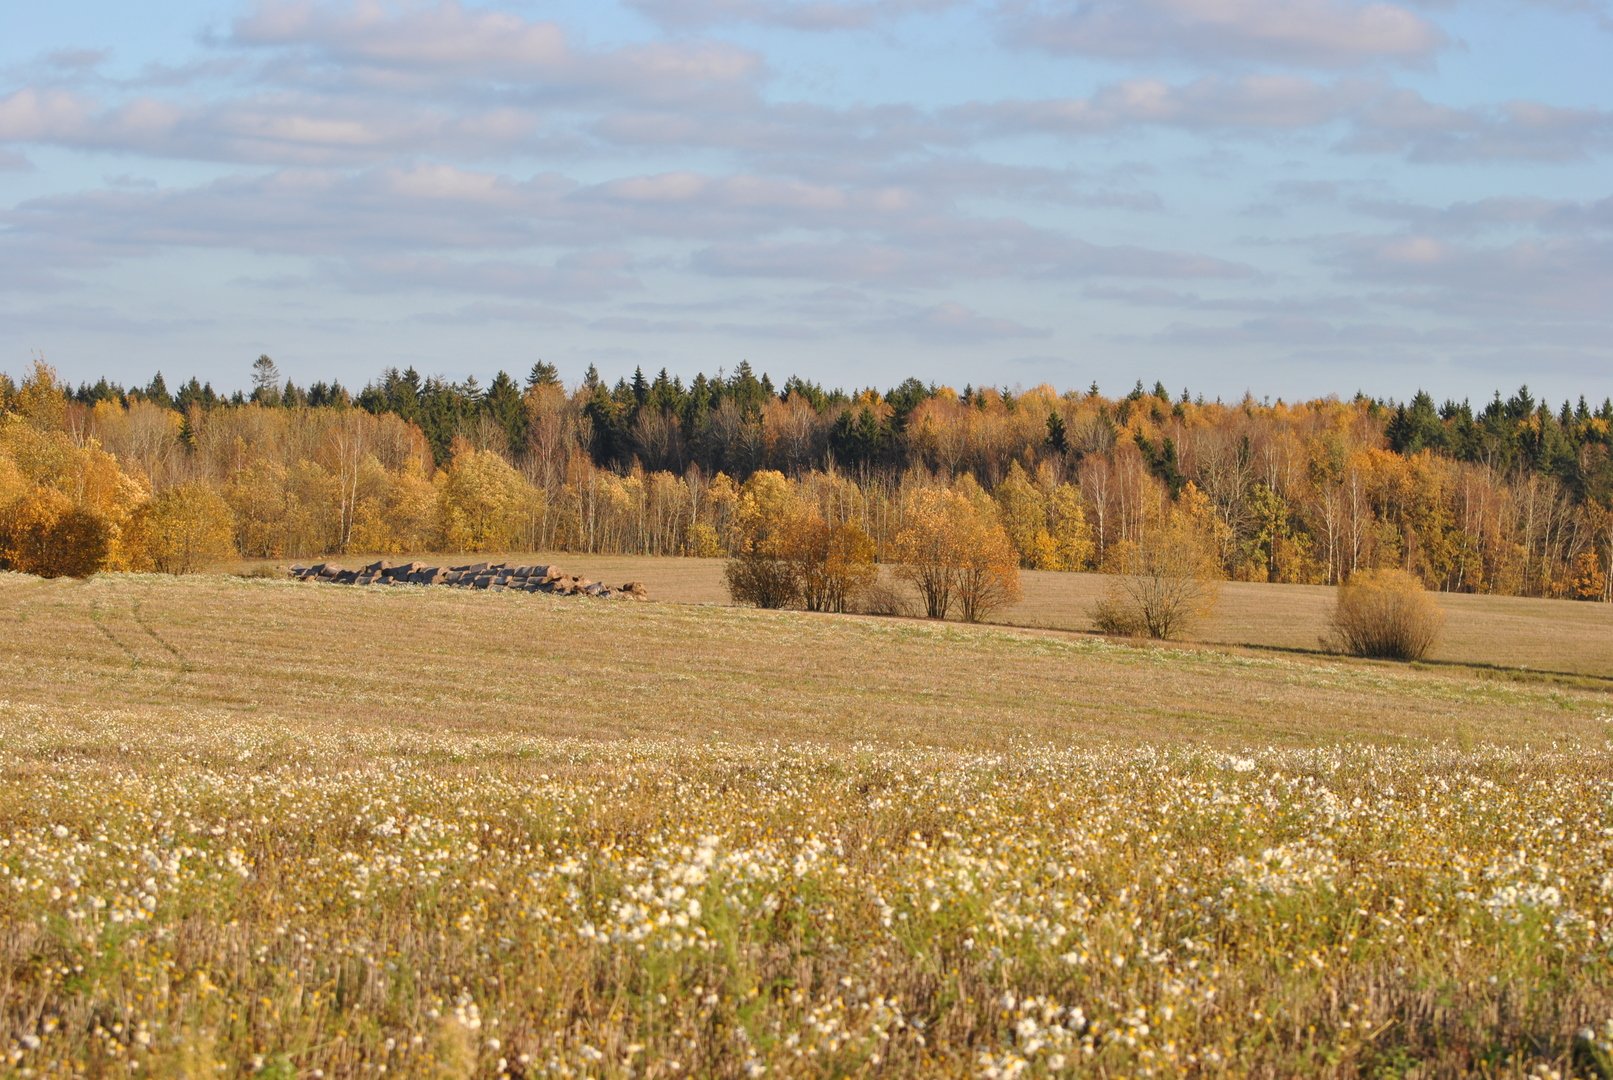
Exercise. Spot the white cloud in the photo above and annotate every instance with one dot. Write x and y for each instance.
(1319, 33)
(1565, 277)
(950, 323)
(1256, 104)
(1403, 122)
(425, 43)
(1371, 116)
(809, 15)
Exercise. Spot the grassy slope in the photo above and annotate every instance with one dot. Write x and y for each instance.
(1492, 631)
(353, 816)
(569, 667)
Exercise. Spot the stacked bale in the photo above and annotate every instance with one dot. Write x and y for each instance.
(492, 577)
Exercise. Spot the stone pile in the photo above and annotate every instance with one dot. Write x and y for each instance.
(495, 577)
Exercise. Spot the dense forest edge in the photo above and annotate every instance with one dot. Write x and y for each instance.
(1513, 498)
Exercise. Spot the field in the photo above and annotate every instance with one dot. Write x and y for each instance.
(1508, 632)
(250, 825)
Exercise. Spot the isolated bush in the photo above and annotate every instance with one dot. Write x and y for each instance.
(881, 598)
(1385, 614)
(754, 577)
(1166, 582)
(1116, 615)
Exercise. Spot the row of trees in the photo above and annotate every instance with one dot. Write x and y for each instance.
(951, 548)
(1515, 499)
(739, 423)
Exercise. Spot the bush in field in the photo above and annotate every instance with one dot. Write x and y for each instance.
(1114, 614)
(759, 578)
(882, 598)
(1385, 614)
(1167, 581)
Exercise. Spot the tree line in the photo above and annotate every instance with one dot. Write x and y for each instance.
(1515, 497)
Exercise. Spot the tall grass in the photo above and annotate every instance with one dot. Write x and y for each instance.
(176, 900)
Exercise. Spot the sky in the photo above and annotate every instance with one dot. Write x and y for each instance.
(1292, 198)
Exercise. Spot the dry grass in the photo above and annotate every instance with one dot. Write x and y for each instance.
(268, 826)
(1491, 631)
(569, 667)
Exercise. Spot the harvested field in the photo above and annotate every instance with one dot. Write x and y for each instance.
(1494, 631)
(534, 662)
(256, 826)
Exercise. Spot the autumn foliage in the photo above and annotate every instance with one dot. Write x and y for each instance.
(65, 506)
(790, 555)
(955, 553)
(1514, 498)
(183, 529)
(43, 532)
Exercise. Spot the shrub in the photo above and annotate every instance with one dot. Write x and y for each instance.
(1167, 581)
(1113, 614)
(754, 577)
(882, 598)
(1385, 614)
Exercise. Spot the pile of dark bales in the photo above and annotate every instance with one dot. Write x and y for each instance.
(494, 577)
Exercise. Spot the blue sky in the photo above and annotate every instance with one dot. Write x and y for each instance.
(1293, 198)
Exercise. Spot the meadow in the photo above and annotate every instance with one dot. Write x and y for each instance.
(1504, 632)
(302, 830)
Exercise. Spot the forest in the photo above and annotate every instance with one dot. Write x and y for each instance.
(1515, 497)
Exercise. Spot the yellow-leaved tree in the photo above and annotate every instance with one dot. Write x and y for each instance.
(1024, 513)
(1072, 537)
(64, 506)
(183, 529)
(760, 571)
(485, 502)
(834, 564)
(1046, 522)
(953, 551)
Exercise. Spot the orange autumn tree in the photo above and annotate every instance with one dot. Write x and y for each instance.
(760, 572)
(834, 564)
(65, 506)
(185, 528)
(789, 554)
(954, 551)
